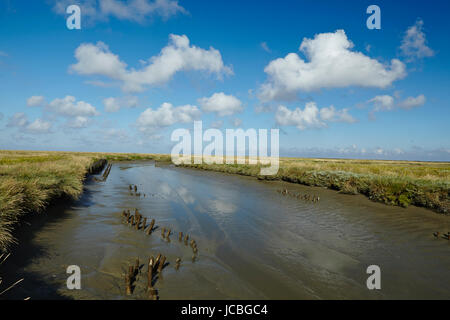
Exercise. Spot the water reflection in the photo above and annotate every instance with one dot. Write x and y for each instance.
(252, 242)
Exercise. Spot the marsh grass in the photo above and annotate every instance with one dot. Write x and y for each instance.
(401, 183)
(30, 180)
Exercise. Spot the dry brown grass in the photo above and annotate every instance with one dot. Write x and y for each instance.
(29, 180)
(401, 183)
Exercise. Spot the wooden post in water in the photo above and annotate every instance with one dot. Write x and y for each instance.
(151, 262)
(158, 257)
(150, 228)
(128, 284)
(152, 224)
(131, 273)
(161, 264)
(150, 274)
(136, 266)
(138, 221)
(144, 223)
(180, 236)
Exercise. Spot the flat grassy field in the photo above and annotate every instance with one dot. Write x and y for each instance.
(29, 180)
(402, 183)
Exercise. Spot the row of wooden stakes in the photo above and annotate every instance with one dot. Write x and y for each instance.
(136, 219)
(306, 197)
(134, 187)
(140, 223)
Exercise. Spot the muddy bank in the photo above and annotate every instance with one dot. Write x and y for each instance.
(253, 242)
(384, 186)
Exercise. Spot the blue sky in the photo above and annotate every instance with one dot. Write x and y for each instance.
(138, 69)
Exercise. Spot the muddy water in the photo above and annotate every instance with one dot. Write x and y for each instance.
(253, 242)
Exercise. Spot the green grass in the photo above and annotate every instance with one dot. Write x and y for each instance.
(401, 183)
(30, 180)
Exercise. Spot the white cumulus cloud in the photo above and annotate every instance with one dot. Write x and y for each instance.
(222, 104)
(311, 116)
(77, 113)
(20, 120)
(412, 102)
(132, 10)
(167, 115)
(178, 55)
(35, 101)
(115, 104)
(331, 64)
(68, 106)
(330, 114)
(389, 103)
(78, 122)
(39, 126)
(414, 43)
(382, 103)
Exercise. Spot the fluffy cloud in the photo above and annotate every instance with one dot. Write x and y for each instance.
(115, 104)
(69, 107)
(382, 103)
(39, 126)
(222, 104)
(131, 10)
(167, 115)
(77, 113)
(78, 122)
(34, 101)
(412, 102)
(97, 59)
(330, 114)
(178, 55)
(311, 116)
(414, 43)
(20, 120)
(388, 103)
(331, 64)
